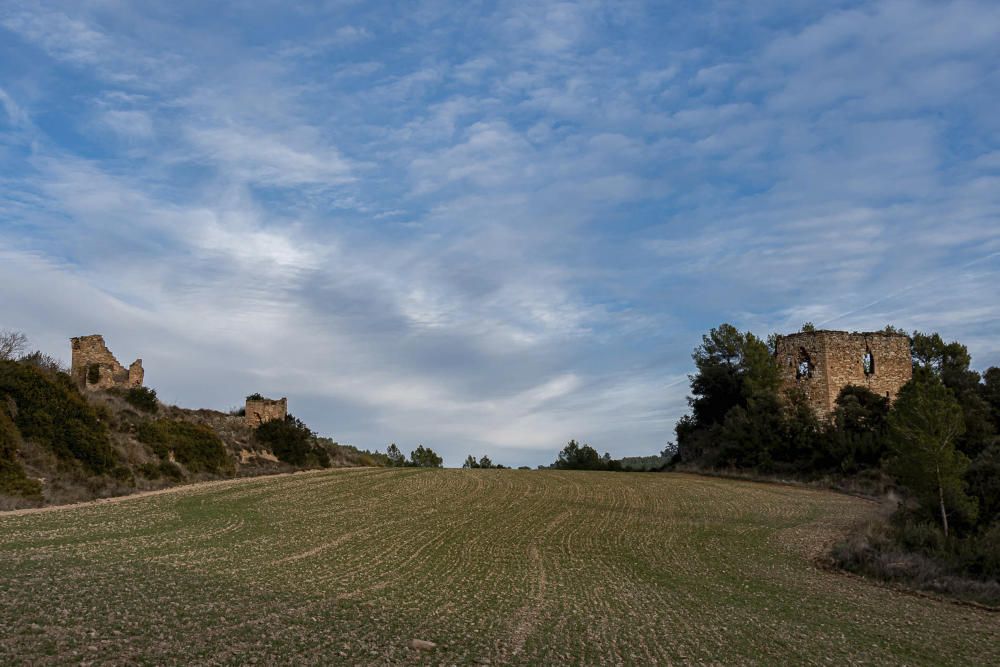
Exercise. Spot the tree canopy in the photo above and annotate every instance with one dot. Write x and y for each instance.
(925, 425)
(425, 457)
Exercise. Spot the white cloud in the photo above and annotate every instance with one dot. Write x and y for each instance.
(494, 230)
(271, 159)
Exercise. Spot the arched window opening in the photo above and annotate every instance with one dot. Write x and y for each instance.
(868, 363)
(805, 367)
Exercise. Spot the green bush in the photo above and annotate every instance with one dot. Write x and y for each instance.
(922, 537)
(322, 456)
(142, 398)
(171, 471)
(963, 568)
(196, 446)
(13, 481)
(292, 442)
(986, 557)
(150, 470)
(51, 412)
(122, 474)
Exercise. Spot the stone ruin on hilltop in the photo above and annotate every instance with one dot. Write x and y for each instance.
(260, 410)
(94, 367)
(822, 363)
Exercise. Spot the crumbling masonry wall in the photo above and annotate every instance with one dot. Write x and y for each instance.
(260, 411)
(94, 367)
(821, 363)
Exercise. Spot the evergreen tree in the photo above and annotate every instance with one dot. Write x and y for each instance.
(734, 402)
(857, 439)
(425, 457)
(396, 457)
(925, 425)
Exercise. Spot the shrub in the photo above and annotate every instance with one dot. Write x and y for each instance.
(51, 412)
(291, 441)
(196, 446)
(921, 537)
(123, 474)
(917, 554)
(143, 398)
(13, 480)
(322, 456)
(150, 470)
(876, 552)
(171, 471)
(256, 396)
(42, 361)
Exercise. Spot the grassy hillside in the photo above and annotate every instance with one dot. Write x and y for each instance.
(58, 445)
(513, 567)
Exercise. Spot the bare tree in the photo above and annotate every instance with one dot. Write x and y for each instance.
(12, 344)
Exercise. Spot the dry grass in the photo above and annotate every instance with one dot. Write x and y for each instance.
(513, 567)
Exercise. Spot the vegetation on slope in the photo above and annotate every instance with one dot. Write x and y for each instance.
(196, 446)
(142, 398)
(13, 480)
(938, 444)
(58, 444)
(292, 442)
(48, 408)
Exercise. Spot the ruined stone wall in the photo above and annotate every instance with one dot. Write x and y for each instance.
(94, 367)
(821, 363)
(260, 411)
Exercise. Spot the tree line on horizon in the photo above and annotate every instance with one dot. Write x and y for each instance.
(421, 457)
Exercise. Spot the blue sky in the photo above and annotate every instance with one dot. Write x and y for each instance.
(490, 227)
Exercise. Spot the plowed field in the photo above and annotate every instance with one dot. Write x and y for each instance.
(498, 567)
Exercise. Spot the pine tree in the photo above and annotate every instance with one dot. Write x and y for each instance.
(925, 424)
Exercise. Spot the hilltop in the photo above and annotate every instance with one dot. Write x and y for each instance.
(60, 444)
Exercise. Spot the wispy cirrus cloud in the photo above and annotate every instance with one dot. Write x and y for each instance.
(491, 230)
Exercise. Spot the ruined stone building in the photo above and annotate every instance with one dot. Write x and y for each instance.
(261, 410)
(94, 367)
(821, 363)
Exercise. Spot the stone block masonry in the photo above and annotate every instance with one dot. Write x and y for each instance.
(821, 363)
(262, 410)
(94, 367)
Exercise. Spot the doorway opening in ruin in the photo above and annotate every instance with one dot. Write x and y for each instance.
(805, 367)
(868, 363)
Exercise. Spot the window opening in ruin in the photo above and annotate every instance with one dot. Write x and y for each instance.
(805, 369)
(93, 373)
(868, 363)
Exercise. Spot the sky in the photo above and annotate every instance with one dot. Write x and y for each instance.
(490, 227)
